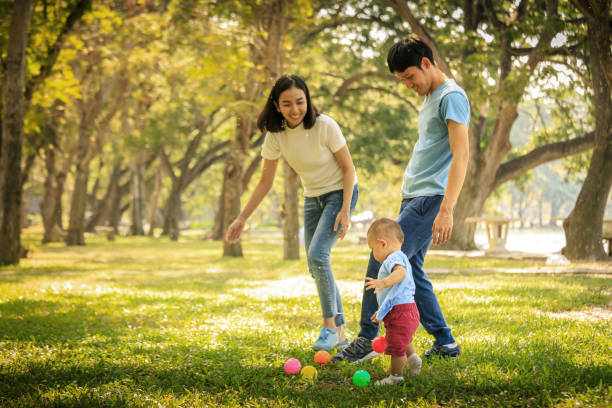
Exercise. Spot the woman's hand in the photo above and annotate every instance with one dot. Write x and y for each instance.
(235, 229)
(343, 220)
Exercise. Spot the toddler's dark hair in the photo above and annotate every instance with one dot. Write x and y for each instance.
(385, 227)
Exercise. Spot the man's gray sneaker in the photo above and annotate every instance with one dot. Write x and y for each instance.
(359, 350)
(437, 350)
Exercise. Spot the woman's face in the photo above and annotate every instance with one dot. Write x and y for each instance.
(292, 105)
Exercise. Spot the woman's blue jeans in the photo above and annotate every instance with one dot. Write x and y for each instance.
(416, 219)
(319, 236)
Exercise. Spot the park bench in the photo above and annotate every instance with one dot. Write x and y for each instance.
(108, 231)
(496, 229)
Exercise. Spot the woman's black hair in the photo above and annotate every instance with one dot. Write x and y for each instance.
(271, 120)
(408, 52)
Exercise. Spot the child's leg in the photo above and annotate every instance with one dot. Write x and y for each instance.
(410, 350)
(414, 361)
(397, 365)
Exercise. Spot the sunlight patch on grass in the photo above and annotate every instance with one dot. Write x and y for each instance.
(593, 314)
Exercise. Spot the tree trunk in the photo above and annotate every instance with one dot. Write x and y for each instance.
(51, 203)
(137, 197)
(76, 223)
(154, 200)
(12, 133)
(266, 53)
(232, 188)
(101, 213)
(583, 227)
(291, 224)
(216, 233)
(116, 210)
(172, 214)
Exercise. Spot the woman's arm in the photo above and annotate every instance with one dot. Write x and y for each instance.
(263, 186)
(343, 156)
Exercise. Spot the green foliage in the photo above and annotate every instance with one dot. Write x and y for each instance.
(145, 322)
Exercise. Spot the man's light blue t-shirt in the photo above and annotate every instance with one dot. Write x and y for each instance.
(427, 170)
(399, 293)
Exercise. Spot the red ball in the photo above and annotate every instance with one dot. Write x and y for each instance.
(379, 344)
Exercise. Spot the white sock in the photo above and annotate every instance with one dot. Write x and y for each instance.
(451, 346)
(397, 378)
(414, 356)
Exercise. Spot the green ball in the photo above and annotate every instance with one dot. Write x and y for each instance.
(361, 378)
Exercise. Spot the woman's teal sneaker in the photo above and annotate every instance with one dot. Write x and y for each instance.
(341, 346)
(327, 340)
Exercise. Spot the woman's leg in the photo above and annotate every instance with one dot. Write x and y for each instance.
(319, 245)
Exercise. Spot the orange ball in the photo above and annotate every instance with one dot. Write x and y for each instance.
(322, 357)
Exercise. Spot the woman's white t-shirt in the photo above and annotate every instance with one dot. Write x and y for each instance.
(310, 152)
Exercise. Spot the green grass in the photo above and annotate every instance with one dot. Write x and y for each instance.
(145, 322)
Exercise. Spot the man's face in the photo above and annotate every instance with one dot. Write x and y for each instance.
(416, 79)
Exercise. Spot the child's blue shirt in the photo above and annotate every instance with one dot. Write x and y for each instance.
(399, 293)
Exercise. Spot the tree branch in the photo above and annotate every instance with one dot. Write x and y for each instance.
(167, 165)
(358, 77)
(53, 52)
(402, 8)
(492, 16)
(382, 90)
(540, 155)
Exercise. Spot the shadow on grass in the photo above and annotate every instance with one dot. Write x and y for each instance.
(47, 323)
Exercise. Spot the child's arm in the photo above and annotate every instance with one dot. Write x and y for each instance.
(374, 318)
(396, 276)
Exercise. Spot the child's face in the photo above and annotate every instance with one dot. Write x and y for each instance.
(379, 247)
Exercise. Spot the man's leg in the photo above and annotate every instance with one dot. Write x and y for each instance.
(369, 303)
(432, 318)
(360, 349)
(416, 219)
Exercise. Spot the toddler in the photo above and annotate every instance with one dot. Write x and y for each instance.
(394, 291)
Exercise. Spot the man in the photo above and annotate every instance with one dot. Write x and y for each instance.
(432, 182)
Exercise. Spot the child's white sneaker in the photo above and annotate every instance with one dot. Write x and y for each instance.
(390, 380)
(414, 365)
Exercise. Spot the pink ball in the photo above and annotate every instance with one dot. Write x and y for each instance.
(379, 344)
(292, 366)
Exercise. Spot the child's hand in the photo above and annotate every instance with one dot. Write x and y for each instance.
(373, 318)
(376, 284)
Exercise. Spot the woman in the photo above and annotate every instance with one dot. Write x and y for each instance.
(315, 148)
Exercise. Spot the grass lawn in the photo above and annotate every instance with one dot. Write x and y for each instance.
(148, 323)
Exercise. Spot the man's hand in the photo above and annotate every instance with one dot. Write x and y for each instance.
(442, 226)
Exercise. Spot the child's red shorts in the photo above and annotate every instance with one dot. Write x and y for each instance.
(400, 324)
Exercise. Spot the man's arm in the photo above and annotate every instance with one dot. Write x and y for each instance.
(459, 145)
